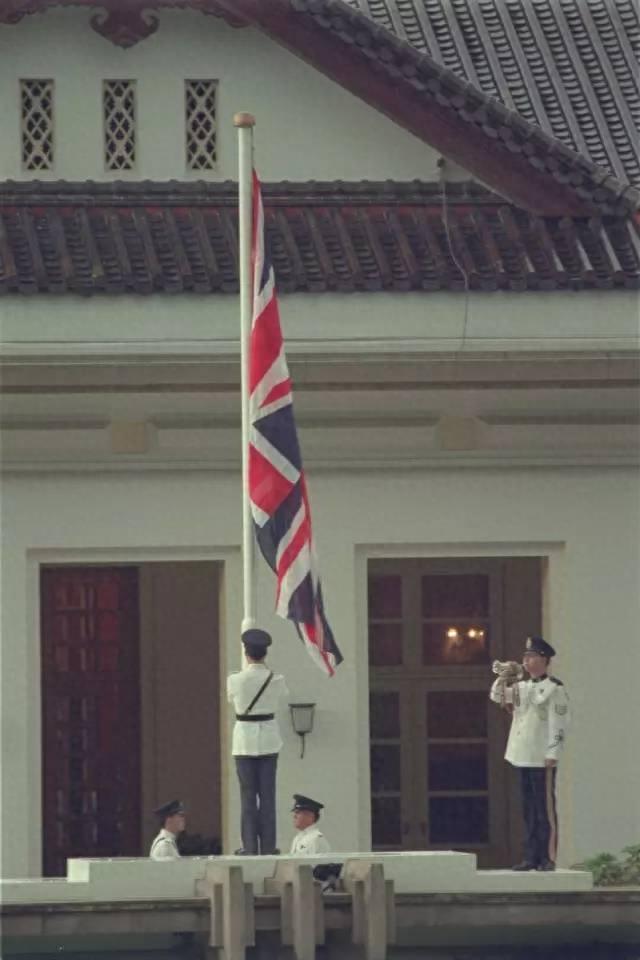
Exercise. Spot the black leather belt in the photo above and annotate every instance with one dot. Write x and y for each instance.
(255, 717)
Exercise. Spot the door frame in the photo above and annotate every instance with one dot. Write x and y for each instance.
(554, 621)
(424, 679)
(230, 615)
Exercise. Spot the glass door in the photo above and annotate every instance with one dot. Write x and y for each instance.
(438, 778)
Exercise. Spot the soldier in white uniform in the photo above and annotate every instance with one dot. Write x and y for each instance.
(255, 693)
(309, 840)
(540, 715)
(172, 820)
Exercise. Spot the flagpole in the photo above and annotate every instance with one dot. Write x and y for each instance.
(244, 124)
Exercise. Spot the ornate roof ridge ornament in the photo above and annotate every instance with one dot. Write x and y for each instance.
(123, 22)
(125, 28)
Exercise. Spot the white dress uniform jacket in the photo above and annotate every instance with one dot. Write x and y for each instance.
(164, 847)
(540, 720)
(309, 842)
(261, 738)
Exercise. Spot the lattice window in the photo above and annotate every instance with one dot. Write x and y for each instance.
(200, 123)
(36, 102)
(119, 106)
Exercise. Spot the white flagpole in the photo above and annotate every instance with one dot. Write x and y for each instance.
(244, 124)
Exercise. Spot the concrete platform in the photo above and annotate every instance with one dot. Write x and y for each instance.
(508, 881)
(419, 872)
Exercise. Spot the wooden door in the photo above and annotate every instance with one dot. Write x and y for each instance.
(438, 778)
(90, 713)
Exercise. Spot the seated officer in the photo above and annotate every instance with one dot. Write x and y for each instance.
(172, 822)
(309, 840)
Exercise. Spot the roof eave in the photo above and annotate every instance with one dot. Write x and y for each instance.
(172, 237)
(497, 146)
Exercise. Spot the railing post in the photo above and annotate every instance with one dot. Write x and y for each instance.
(372, 907)
(301, 907)
(232, 925)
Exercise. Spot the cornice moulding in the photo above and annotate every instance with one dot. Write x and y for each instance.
(609, 459)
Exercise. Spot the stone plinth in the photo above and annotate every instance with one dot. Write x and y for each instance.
(118, 879)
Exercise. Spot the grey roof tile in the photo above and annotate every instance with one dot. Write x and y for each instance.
(145, 238)
(569, 66)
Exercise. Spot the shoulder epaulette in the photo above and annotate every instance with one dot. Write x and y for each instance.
(555, 680)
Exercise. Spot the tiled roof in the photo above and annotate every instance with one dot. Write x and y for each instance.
(463, 121)
(569, 66)
(145, 238)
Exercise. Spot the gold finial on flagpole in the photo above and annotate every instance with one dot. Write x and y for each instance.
(244, 120)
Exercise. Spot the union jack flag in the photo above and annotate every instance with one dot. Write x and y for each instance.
(277, 487)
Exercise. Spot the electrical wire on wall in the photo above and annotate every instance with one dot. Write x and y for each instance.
(444, 199)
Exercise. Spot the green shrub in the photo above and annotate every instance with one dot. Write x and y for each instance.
(609, 871)
(631, 864)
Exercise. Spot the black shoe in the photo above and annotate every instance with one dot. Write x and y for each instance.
(525, 865)
(547, 866)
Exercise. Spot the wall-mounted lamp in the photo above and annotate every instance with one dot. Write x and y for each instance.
(302, 720)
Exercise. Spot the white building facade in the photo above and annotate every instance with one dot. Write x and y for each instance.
(471, 454)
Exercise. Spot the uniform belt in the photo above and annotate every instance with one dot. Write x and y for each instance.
(254, 717)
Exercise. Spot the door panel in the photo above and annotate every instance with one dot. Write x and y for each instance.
(387, 773)
(457, 768)
(90, 713)
(393, 773)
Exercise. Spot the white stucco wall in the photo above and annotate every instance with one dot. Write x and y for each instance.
(586, 521)
(324, 323)
(307, 126)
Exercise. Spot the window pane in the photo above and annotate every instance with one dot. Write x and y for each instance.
(384, 716)
(37, 124)
(119, 109)
(459, 820)
(451, 715)
(385, 644)
(385, 821)
(200, 117)
(385, 768)
(455, 643)
(458, 766)
(385, 598)
(455, 595)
